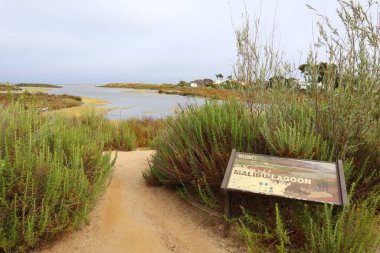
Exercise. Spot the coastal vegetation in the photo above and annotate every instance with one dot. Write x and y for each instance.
(8, 87)
(193, 151)
(207, 92)
(54, 167)
(338, 117)
(40, 100)
(145, 129)
(52, 170)
(37, 85)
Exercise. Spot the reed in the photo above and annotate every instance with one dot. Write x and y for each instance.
(145, 129)
(122, 137)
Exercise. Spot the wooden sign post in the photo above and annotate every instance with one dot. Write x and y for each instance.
(306, 180)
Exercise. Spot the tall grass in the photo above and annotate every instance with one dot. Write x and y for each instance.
(123, 135)
(145, 129)
(51, 172)
(116, 135)
(120, 137)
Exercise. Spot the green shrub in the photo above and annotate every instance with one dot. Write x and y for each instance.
(298, 130)
(289, 131)
(195, 145)
(193, 151)
(52, 170)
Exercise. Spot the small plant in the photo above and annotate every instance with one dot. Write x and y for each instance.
(281, 232)
(206, 195)
(353, 229)
(183, 193)
(253, 231)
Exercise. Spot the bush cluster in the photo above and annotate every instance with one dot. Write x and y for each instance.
(194, 147)
(52, 170)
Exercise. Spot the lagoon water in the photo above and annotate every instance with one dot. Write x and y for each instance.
(127, 103)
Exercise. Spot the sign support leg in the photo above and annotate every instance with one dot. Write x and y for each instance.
(227, 213)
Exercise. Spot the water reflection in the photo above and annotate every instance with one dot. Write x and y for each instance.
(127, 103)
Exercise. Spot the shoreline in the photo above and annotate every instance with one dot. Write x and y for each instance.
(171, 89)
(88, 104)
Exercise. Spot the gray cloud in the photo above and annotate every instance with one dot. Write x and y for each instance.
(134, 41)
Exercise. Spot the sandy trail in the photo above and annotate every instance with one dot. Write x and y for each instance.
(132, 217)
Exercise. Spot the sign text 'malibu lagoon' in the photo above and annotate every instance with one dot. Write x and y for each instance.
(290, 178)
(283, 177)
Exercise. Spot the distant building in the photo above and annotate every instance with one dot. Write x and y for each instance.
(303, 85)
(193, 85)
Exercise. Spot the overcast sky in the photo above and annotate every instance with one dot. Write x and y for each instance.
(93, 41)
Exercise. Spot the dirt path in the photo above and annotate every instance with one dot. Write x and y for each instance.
(132, 217)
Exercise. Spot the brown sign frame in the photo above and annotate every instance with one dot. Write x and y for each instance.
(343, 199)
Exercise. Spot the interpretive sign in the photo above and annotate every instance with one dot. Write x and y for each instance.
(285, 177)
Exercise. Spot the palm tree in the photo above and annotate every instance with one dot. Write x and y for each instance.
(219, 77)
